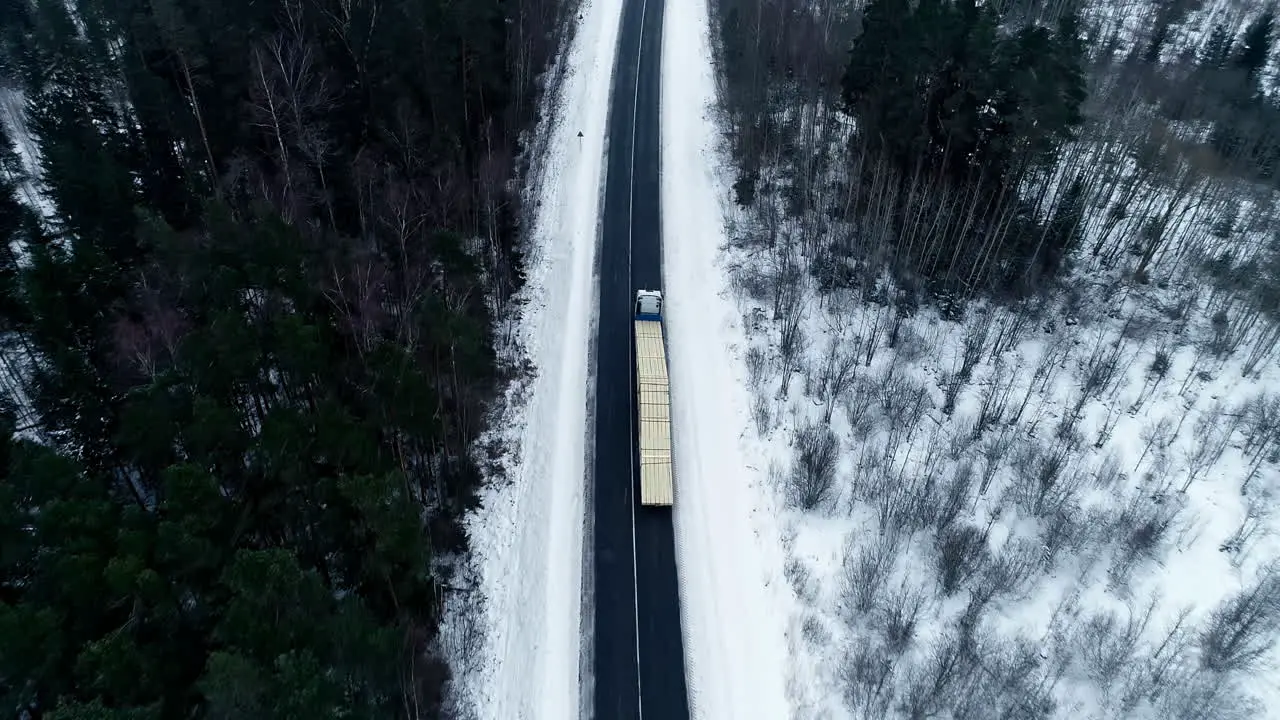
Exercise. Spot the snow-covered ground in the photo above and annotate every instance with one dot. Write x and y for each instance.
(980, 549)
(931, 480)
(729, 554)
(519, 657)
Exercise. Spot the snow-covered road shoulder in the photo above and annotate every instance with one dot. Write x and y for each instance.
(732, 596)
(518, 659)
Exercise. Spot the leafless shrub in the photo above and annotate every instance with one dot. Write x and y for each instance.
(835, 376)
(1229, 329)
(1251, 527)
(1108, 474)
(875, 320)
(953, 381)
(761, 413)
(1108, 425)
(904, 402)
(1212, 433)
(995, 398)
(1157, 371)
(1106, 643)
(867, 676)
(801, 579)
(962, 437)
(815, 634)
(1046, 478)
(928, 687)
(898, 616)
(791, 345)
(910, 346)
(1047, 369)
(865, 572)
(1070, 422)
(1262, 349)
(813, 467)
(1099, 371)
(908, 503)
(1011, 684)
(951, 385)
(1261, 424)
(787, 294)
(1011, 573)
(462, 633)
(1262, 433)
(858, 403)
(1243, 628)
(1143, 528)
(1013, 326)
(1140, 328)
(962, 551)
(750, 281)
(995, 448)
(958, 485)
(1159, 435)
(1207, 695)
(757, 367)
(1062, 529)
(1155, 669)
(1160, 364)
(867, 481)
(975, 341)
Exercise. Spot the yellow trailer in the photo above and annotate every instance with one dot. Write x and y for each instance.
(653, 397)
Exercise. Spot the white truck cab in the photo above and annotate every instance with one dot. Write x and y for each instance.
(649, 302)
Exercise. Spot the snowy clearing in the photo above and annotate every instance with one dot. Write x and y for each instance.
(520, 658)
(1059, 487)
(728, 551)
(1061, 509)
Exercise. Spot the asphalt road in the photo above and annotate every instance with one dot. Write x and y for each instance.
(637, 651)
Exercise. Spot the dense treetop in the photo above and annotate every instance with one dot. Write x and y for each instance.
(248, 344)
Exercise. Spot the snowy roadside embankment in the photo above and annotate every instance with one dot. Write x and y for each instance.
(519, 659)
(733, 601)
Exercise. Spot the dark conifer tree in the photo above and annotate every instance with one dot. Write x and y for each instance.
(942, 92)
(1255, 46)
(258, 328)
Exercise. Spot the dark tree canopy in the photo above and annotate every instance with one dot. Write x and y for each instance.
(946, 93)
(1255, 46)
(256, 331)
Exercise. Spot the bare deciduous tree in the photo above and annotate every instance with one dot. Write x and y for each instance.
(898, 616)
(858, 402)
(1143, 527)
(1262, 434)
(1251, 528)
(1107, 642)
(1213, 431)
(813, 468)
(1047, 478)
(958, 485)
(865, 573)
(836, 375)
(1244, 627)
(1159, 435)
(962, 551)
(904, 403)
(928, 687)
(867, 675)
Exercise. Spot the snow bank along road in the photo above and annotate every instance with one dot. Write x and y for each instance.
(638, 653)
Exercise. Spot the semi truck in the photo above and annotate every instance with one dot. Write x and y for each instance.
(653, 401)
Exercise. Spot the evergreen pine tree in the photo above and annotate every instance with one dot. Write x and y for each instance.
(250, 401)
(1255, 45)
(1218, 49)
